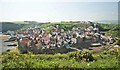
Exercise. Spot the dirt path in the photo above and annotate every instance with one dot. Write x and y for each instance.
(96, 49)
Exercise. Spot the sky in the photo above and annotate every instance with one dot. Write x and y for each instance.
(54, 10)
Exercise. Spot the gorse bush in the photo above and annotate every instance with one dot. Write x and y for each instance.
(111, 52)
(80, 55)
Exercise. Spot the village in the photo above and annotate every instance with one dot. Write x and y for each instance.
(59, 34)
(40, 41)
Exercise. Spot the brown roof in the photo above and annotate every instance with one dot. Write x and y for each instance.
(25, 41)
(46, 38)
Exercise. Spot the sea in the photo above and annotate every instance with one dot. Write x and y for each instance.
(3, 45)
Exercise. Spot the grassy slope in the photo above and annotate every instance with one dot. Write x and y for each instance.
(20, 22)
(13, 59)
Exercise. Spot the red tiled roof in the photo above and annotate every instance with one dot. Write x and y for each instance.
(25, 41)
(45, 38)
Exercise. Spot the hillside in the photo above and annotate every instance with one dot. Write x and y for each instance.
(17, 25)
(11, 26)
(80, 59)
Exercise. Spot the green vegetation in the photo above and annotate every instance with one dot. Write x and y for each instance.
(17, 25)
(20, 22)
(11, 26)
(78, 59)
(63, 25)
(108, 26)
(112, 29)
(114, 32)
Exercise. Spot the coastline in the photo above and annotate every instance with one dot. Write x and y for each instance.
(3, 45)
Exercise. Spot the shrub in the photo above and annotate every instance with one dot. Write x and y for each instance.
(79, 55)
(69, 60)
